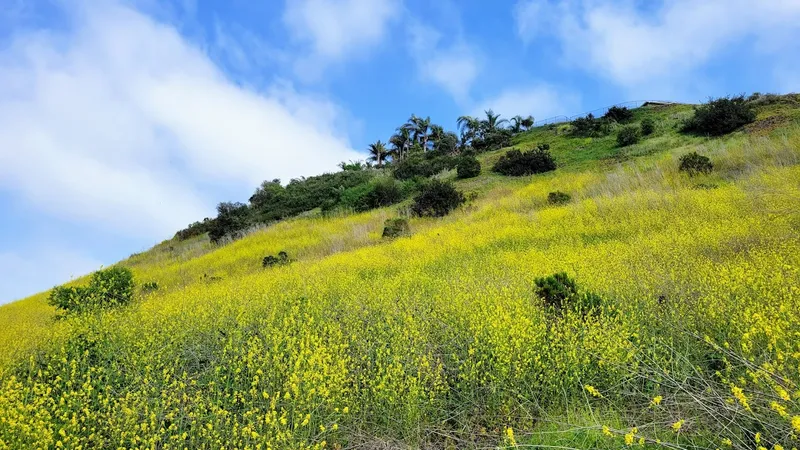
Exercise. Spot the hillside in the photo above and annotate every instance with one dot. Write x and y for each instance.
(439, 338)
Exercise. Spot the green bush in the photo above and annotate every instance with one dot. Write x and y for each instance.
(558, 198)
(517, 163)
(376, 194)
(280, 260)
(195, 229)
(419, 165)
(648, 126)
(628, 135)
(395, 227)
(590, 126)
(618, 114)
(694, 163)
(559, 291)
(495, 140)
(107, 288)
(468, 167)
(232, 220)
(720, 116)
(149, 287)
(437, 199)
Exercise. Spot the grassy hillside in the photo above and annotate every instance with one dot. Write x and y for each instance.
(438, 339)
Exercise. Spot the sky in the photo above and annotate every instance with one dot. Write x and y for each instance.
(123, 121)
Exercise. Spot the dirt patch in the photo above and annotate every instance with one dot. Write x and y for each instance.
(764, 126)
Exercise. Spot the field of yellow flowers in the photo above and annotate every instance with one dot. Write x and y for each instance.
(438, 339)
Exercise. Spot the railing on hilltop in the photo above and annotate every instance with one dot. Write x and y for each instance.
(600, 111)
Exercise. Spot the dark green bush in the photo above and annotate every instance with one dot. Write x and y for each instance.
(618, 114)
(280, 260)
(495, 140)
(648, 126)
(559, 291)
(720, 116)
(517, 163)
(694, 163)
(468, 167)
(395, 227)
(195, 229)
(628, 135)
(232, 220)
(149, 287)
(590, 126)
(437, 199)
(376, 194)
(558, 198)
(418, 165)
(107, 288)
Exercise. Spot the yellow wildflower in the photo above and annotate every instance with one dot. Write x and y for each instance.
(676, 427)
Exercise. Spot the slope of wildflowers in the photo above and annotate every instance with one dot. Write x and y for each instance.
(437, 339)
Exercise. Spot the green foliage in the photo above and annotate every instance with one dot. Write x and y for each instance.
(493, 140)
(423, 166)
(395, 227)
(558, 198)
(107, 288)
(720, 116)
(376, 194)
(559, 291)
(281, 259)
(590, 126)
(629, 135)
(351, 165)
(694, 164)
(618, 114)
(437, 199)
(150, 286)
(195, 229)
(648, 126)
(232, 220)
(517, 163)
(468, 167)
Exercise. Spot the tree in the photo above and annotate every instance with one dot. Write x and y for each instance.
(527, 123)
(516, 124)
(378, 153)
(492, 123)
(469, 127)
(437, 135)
(401, 141)
(419, 129)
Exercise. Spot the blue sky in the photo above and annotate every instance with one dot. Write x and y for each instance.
(123, 121)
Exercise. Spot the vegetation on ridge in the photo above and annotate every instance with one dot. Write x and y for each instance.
(633, 309)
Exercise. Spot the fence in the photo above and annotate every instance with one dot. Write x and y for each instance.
(600, 111)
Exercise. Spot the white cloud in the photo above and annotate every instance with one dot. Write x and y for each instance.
(542, 101)
(454, 67)
(334, 31)
(633, 47)
(122, 124)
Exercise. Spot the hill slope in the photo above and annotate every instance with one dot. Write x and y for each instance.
(438, 339)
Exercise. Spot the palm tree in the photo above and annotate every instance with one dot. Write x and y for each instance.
(528, 122)
(492, 122)
(436, 135)
(469, 127)
(419, 128)
(401, 141)
(378, 153)
(516, 124)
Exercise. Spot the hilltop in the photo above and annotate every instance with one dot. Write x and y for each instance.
(614, 300)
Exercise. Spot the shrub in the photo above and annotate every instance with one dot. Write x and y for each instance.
(517, 163)
(468, 167)
(149, 287)
(280, 260)
(618, 114)
(558, 198)
(195, 229)
(628, 135)
(232, 219)
(423, 166)
(395, 227)
(437, 199)
(107, 288)
(720, 116)
(694, 164)
(590, 126)
(376, 194)
(560, 291)
(648, 126)
(493, 141)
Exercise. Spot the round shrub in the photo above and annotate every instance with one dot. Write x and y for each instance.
(694, 163)
(648, 126)
(468, 167)
(558, 198)
(517, 163)
(619, 114)
(437, 199)
(720, 116)
(107, 288)
(395, 227)
(628, 135)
